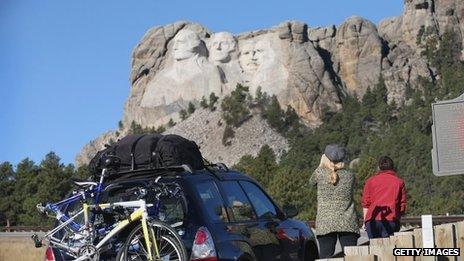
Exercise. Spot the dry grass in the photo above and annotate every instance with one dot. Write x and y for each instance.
(19, 249)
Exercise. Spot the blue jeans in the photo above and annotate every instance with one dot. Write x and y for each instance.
(381, 228)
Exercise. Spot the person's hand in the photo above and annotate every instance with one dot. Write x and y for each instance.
(364, 226)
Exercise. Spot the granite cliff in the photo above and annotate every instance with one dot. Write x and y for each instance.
(308, 68)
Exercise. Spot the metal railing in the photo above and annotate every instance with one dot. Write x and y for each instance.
(413, 221)
(24, 229)
(416, 220)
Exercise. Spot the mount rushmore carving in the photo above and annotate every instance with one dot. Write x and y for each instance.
(183, 62)
(308, 68)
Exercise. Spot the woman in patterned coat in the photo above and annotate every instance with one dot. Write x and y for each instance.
(336, 216)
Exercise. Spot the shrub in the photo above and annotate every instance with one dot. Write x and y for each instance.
(191, 108)
(171, 123)
(183, 114)
(160, 129)
(228, 134)
(212, 101)
(204, 102)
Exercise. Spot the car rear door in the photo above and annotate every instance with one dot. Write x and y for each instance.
(267, 214)
(244, 222)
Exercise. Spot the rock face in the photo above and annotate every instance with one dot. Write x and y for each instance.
(183, 62)
(403, 63)
(206, 129)
(90, 149)
(309, 69)
(358, 55)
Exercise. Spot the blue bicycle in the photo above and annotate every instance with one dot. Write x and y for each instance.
(87, 190)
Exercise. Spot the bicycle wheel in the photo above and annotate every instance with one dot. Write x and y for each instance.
(169, 244)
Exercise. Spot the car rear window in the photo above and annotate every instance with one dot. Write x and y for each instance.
(171, 210)
(238, 201)
(264, 207)
(211, 200)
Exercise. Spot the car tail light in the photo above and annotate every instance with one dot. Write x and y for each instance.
(203, 246)
(49, 256)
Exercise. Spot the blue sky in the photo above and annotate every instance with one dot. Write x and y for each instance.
(64, 65)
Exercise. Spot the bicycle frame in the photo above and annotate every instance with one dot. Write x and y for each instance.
(139, 214)
(89, 193)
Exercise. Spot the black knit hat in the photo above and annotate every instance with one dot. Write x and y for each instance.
(386, 163)
(335, 152)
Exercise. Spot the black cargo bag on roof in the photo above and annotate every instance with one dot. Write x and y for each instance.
(174, 150)
(96, 164)
(136, 151)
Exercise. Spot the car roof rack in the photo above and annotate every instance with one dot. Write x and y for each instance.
(219, 165)
(164, 171)
(183, 167)
(212, 167)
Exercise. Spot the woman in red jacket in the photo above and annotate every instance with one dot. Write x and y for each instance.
(383, 201)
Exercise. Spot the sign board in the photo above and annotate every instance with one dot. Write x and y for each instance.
(448, 137)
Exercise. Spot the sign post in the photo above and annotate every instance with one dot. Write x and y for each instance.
(448, 137)
(427, 232)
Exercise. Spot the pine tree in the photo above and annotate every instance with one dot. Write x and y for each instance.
(234, 107)
(183, 114)
(369, 99)
(212, 101)
(83, 172)
(291, 187)
(263, 166)
(7, 206)
(274, 115)
(171, 123)
(228, 134)
(191, 108)
(52, 185)
(160, 129)
(204, 102)
(25, 191)
(261, 98)
(135, 128)
(291, 119)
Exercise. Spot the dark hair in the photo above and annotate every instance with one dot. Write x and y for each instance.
(386, 163)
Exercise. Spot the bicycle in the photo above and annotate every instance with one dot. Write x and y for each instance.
(167, 238)
(85, 242)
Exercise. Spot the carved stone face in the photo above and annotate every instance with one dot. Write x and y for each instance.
(186, 45)
(252, 56)
(221, 47)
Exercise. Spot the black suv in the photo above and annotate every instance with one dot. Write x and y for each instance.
(226, 215)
